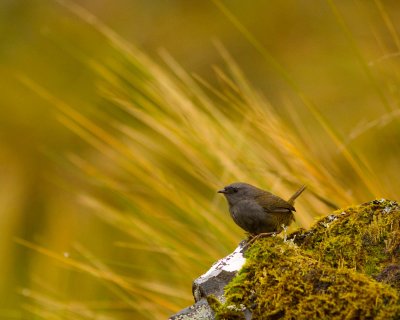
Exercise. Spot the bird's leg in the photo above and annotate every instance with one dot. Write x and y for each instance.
(249, 239)
(258, 236)
(250, 235)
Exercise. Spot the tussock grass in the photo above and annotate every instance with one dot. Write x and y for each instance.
(160, 144)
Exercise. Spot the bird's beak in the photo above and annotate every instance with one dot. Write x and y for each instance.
(221, 191)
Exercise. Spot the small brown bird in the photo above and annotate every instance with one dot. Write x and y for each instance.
(258, 211)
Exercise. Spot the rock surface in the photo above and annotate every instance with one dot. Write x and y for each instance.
(213, 283)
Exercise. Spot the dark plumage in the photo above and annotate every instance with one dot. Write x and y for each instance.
(258, 211)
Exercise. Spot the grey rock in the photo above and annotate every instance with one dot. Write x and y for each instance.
(212, 282)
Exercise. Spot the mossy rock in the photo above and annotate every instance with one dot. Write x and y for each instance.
(345, 267)
(365, 238)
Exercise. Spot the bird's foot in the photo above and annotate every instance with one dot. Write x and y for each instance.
(253, 238)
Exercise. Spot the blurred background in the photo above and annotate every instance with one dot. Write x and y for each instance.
(119, 120)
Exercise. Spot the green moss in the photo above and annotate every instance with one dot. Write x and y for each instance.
(280, 281)
(223, 312)
(345, 267)
(365, 237)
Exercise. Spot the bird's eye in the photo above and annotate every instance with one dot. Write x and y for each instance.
(235, 190)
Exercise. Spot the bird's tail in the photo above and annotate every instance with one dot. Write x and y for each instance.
(296, 194)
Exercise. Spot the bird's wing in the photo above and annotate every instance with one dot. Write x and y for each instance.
(272, 203)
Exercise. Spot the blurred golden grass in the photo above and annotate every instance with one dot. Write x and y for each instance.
(161, 144)
(182, 143)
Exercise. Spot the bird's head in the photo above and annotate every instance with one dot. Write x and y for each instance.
(239, 191)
